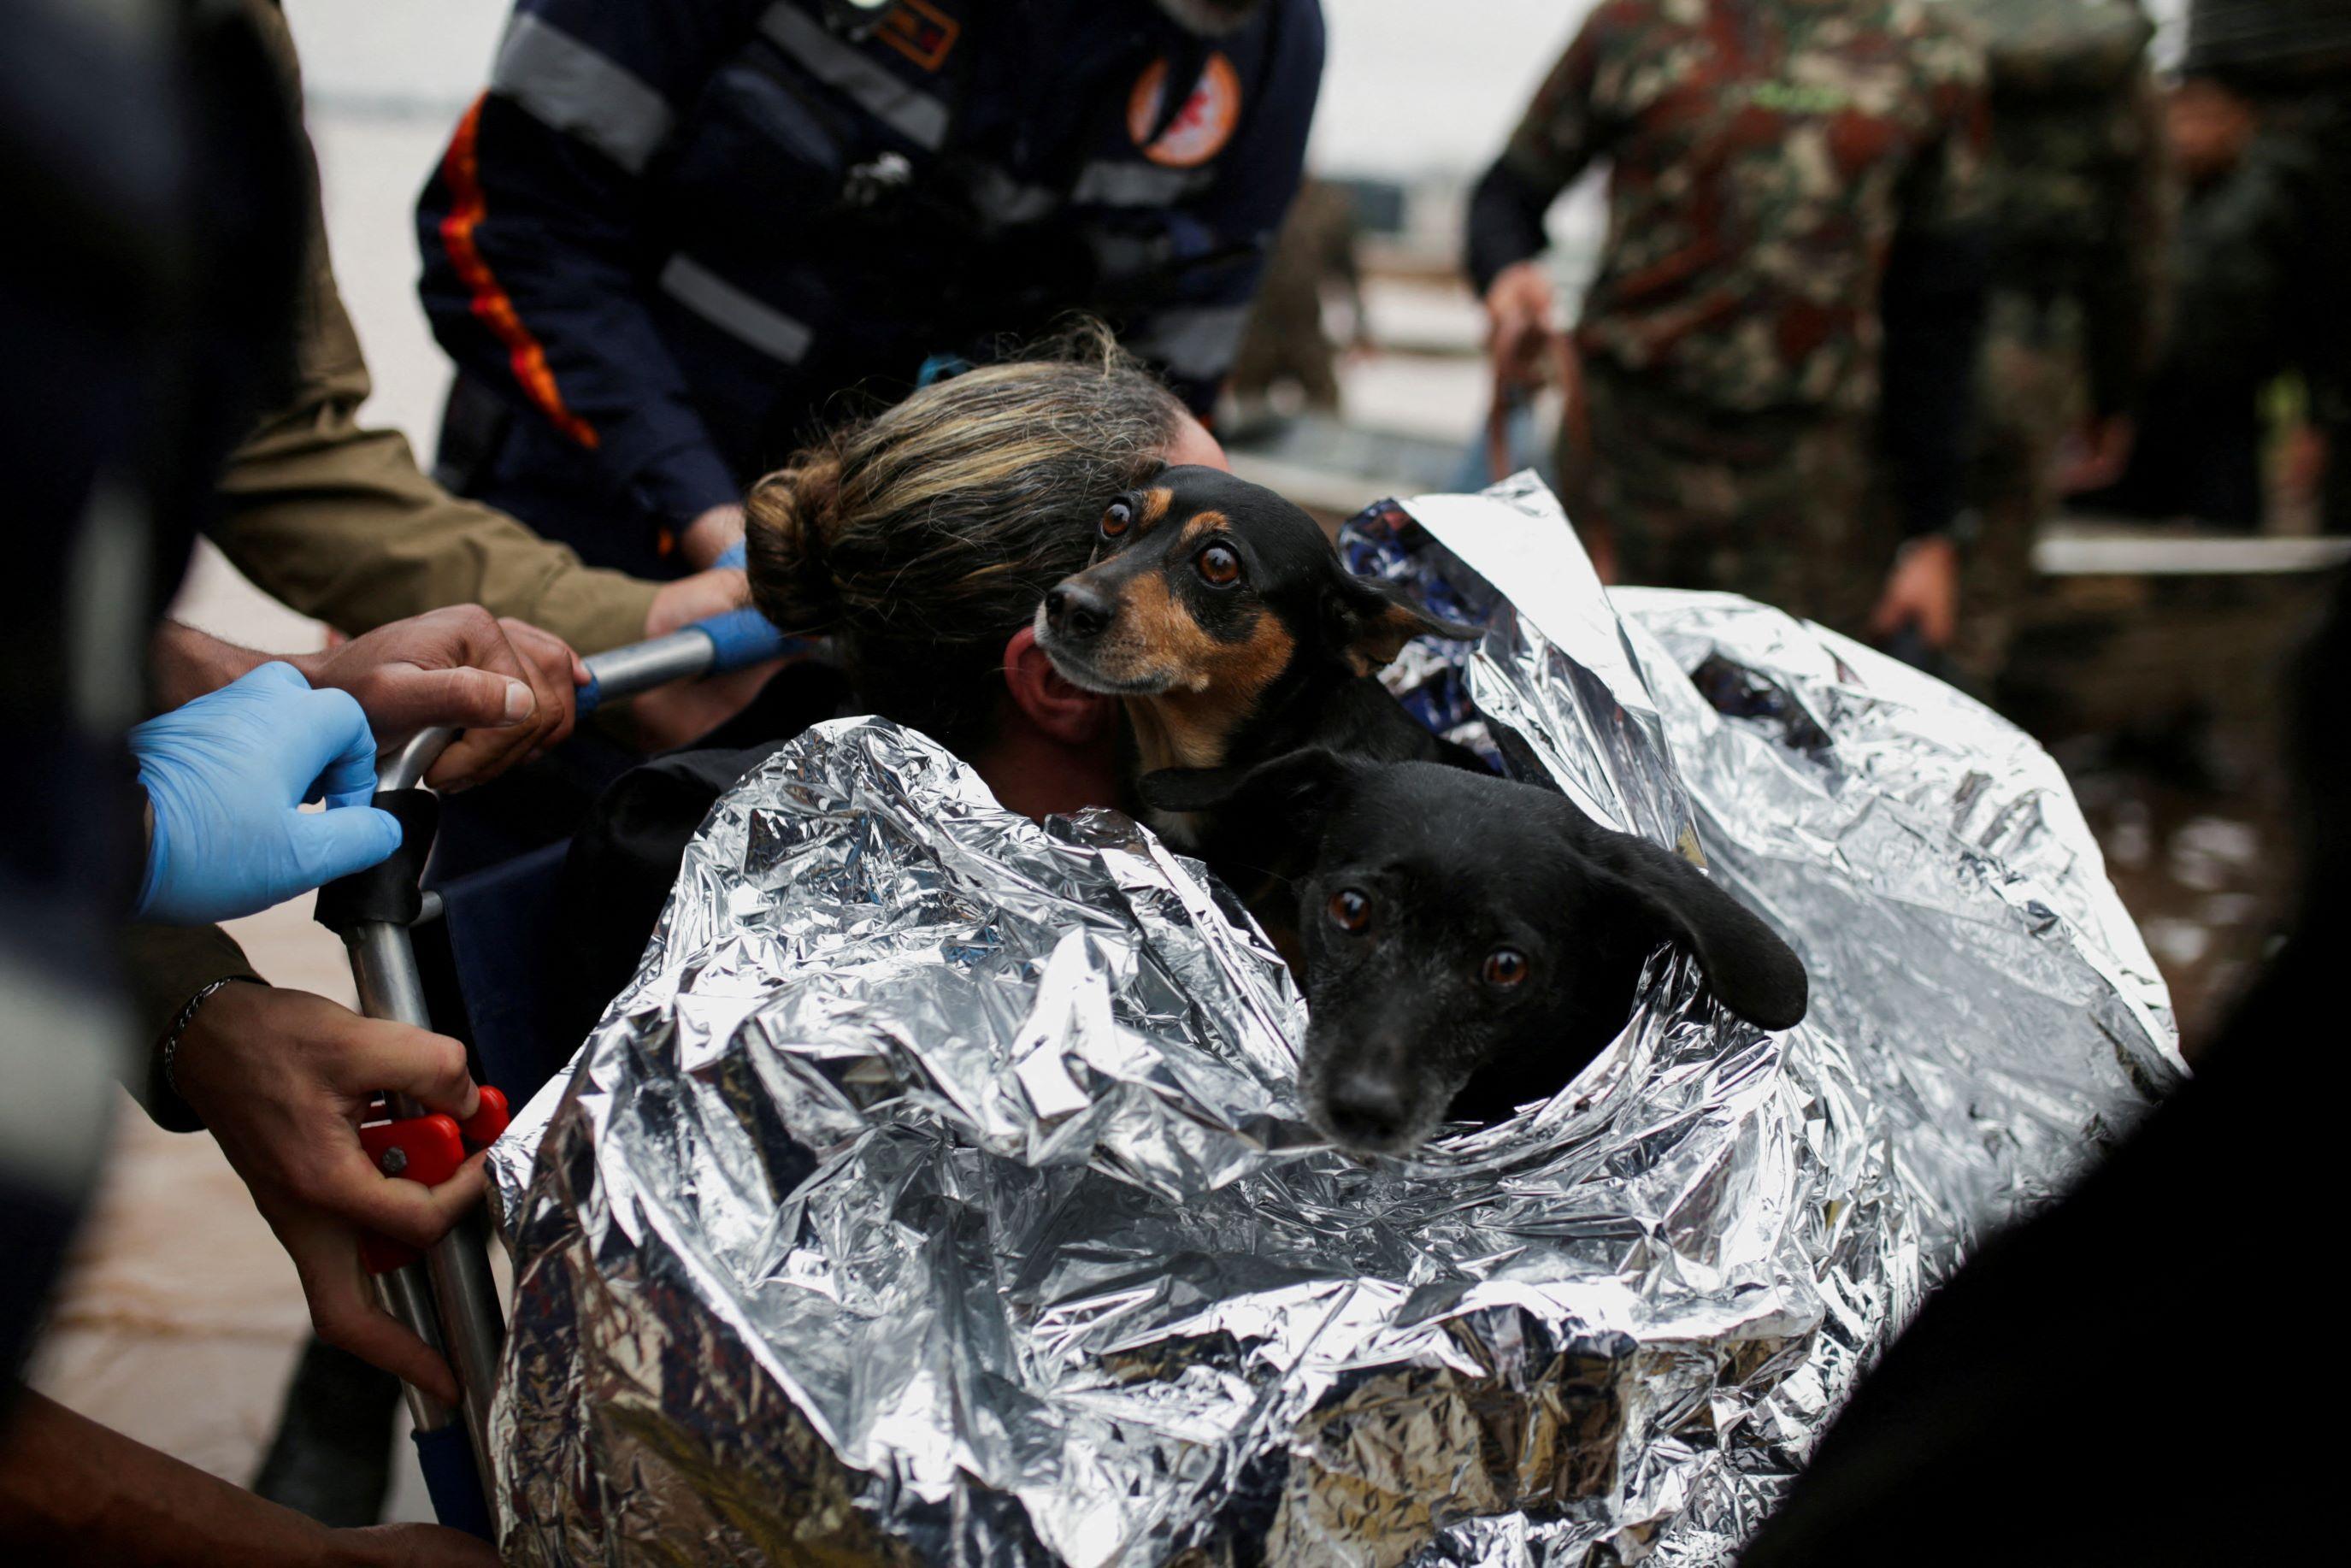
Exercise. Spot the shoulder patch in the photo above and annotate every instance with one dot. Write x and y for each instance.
(921, 32)
(1201, 128)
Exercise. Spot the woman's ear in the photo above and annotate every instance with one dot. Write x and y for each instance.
(1047, 701)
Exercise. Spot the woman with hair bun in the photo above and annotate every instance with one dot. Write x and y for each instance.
(920, 541)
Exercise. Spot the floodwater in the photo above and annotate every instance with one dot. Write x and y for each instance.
(2205, 873)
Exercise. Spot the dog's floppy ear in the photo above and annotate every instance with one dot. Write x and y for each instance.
(1298, 788)
(1375, 620)
(1747, 967)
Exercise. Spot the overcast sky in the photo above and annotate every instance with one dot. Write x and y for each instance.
(1412, 85)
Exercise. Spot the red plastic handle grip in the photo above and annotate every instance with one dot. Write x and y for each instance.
(422, 1148)
(488, 1120)
(427, 1149)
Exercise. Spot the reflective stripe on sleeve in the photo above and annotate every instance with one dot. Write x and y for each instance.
(866, 82)
(1114, 185)
(734, 312)
(568, 87)
(1001, 199)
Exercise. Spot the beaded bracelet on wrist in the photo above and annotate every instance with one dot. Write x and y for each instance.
(180, 1022)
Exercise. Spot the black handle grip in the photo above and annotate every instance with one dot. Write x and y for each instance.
(391, 893)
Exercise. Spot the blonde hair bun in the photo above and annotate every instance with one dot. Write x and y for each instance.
(790, 519)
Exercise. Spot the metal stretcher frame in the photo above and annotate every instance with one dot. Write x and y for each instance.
(448, 1298)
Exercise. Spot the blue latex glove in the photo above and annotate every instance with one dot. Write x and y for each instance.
(225, 775)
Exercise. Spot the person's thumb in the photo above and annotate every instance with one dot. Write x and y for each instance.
(340, 747)
(462, 698)
(338, 842)
(276, 675)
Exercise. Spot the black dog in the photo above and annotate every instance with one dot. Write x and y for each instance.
(1221, 615)
(1470, 943)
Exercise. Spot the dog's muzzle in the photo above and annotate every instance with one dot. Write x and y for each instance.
(1075, 612)
(1070, 623)
(1370, 1100)
(1364, 1111)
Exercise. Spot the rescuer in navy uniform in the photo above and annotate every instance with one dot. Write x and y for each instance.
(671, 230)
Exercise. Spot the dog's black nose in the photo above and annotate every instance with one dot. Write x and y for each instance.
(1076, 610)
(1368, 1112)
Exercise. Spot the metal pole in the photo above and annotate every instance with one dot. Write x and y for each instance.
(641, 666)
(405, 768)
(407, 1294)
(472, 1325)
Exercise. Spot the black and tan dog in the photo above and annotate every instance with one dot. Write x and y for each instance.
(1222, 617)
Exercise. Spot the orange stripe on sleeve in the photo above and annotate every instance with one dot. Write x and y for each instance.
(461, 166)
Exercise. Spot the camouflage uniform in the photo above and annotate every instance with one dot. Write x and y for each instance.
(2078, 201)
(1767, 154)
(1285, 339)
(2294, 59)
(2318, 126)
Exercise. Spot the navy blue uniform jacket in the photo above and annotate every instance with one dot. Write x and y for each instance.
(673, 229)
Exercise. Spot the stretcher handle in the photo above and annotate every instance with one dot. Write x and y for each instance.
(738, 639)
(735, 640)
(715, 646)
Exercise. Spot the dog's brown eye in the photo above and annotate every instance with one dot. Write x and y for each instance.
(1505, 967)
(1115, 520)
(1220, 564)
(1350, 910)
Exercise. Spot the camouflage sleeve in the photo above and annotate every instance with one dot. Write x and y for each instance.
(1557, 138)
(2129, 297)
(337, 520)
(1555, 141)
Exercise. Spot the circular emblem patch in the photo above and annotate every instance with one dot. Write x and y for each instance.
(1200, 129)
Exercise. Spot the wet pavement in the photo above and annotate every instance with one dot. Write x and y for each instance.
(2204, 873)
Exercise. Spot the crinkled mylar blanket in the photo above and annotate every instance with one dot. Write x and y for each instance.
(938, 1193)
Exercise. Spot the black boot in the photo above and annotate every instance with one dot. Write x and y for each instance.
(332, 1458)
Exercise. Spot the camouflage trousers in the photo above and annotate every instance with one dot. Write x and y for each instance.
(2030, 391)
(1784, 508)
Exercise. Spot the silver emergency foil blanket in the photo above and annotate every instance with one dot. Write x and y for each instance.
(937, 1193)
